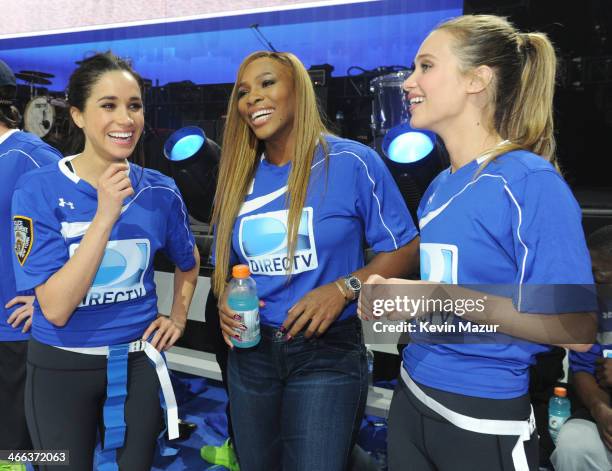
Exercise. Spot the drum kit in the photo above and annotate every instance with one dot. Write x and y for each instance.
(44, 115)
(391, 120)
(388, 101)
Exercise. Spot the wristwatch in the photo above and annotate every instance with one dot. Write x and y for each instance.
(353, 285)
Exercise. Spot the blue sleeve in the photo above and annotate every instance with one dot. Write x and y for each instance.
(553, 262)
(180, 241)
(45, 155)
(39, 248)
(585, 361)
(388, 224)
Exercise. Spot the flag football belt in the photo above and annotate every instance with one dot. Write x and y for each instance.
(521, 428)
(116, 394)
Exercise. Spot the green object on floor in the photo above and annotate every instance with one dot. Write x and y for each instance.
(223, 455)
(5, 466)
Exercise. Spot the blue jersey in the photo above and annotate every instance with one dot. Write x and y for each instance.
(20, 152)
(52, 210)
(351, 201)
(515, 224)
(585, 361)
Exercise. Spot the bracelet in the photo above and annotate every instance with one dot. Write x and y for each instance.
(337, 283)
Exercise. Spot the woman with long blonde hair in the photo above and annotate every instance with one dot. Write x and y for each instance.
(298, 205)
(500, 217)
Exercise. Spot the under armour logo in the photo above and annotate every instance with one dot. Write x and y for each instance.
(63, 203)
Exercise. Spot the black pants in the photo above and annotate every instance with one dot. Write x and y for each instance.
(221, 349)
(421, 440)
(65, 394)
(13, 431)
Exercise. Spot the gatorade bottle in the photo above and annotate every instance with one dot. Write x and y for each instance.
(242, 299)
(559, 411)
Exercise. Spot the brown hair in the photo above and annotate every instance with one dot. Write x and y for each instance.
(80, 85)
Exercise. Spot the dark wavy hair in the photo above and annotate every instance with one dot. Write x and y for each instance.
(9, 114)
(80, 86)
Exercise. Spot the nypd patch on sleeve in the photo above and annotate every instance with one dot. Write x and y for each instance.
(24, 236)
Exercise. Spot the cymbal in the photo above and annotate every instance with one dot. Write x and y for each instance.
(39, 74)
(32, 79)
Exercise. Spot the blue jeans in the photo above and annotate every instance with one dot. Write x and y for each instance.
(297, 405)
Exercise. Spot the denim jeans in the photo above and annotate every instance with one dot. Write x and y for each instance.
(297, 405)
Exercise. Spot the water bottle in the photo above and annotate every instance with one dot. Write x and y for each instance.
(370, 359)
(372, 439)
(242, 299)
(559, 411)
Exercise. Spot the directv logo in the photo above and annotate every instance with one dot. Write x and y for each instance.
(121, 272)
(263, 242)
(439, 263)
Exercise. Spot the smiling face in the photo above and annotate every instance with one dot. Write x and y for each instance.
(437, 89)
(266, 99)
(113, 116)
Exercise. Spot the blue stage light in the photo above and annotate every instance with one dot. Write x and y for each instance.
(184, 143)
(194, 160)
(405, 145)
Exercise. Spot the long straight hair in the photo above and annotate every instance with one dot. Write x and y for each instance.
(241, 151)
(525, 65)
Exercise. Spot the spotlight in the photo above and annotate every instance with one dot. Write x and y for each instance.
(194, 161)
(184, 143)
(405, 145)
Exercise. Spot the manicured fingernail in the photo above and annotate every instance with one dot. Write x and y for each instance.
(243, 327)
(236, 317)
(282, 329)
(289, 337)
(236, 336)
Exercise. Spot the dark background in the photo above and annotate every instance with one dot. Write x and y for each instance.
(583, 101)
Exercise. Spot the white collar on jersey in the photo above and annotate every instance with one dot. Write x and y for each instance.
(72, 175)
(7, 134)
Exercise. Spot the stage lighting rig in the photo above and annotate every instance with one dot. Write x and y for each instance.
(194, 162)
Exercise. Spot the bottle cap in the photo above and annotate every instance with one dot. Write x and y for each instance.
(561, 392)
(241, 271)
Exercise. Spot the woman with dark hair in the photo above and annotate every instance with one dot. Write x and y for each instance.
(20, 152)
(90, 227)
(298, 205)
(500, 217)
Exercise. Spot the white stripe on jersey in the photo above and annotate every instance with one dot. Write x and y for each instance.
(77, 229)
(259, 202)
(74, 229)
(373, 194)
(185, 217)
(435, 213)
(22, 152)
